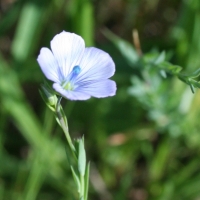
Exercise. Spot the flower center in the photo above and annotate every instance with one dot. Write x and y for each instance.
(69, 83)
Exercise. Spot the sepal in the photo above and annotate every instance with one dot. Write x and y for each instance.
(48, 95)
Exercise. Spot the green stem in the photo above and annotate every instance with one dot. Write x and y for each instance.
(64, 126)
(82, 181)
(87, 174)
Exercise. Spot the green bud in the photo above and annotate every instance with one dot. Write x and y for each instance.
(48, 96)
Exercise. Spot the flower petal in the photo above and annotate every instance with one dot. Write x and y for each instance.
(49, 65)
(98, 89)
(72, 95)
(95, 65)
(68, 49)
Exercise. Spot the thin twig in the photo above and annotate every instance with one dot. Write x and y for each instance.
(136, 42)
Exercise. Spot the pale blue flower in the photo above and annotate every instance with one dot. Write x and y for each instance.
(78, 73)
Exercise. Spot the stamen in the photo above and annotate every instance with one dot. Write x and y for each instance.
(68, 84)
(75, 72)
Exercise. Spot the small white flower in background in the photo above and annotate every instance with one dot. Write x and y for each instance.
(78, 73)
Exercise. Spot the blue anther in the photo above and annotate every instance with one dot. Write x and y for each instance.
(75, 72)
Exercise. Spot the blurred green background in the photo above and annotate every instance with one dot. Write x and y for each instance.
(143, 143)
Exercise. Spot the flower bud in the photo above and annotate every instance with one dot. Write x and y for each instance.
(48, 96)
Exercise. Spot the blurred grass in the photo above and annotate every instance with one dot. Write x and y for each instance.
(144, 142)
(29, 26)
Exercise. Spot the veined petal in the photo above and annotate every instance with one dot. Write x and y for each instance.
(77, 72)
(95, 65)
(99, 89)
(68, 49)
(72, 95)
(49, 65)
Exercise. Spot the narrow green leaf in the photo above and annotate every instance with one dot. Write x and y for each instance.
(191, 87)
(87, 176)
(81, 158)
(170, 68)
(195, 83)
(125, 48)
(160, 58)
(68, 155)
(163, 73)
(63, 115)
(149, 58)
(76, 179)
(194, 74)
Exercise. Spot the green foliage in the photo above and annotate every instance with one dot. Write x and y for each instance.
(143, 143)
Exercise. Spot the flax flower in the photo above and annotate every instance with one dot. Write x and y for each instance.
(77, 72)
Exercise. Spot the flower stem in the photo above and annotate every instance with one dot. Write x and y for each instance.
(79, 154)
(82, 187)
(64, 125)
